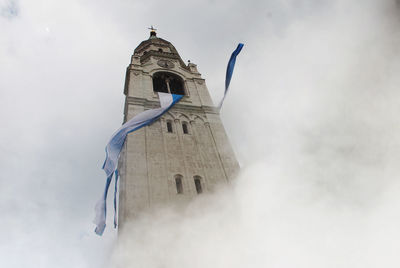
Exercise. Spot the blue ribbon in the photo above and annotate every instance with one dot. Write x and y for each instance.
(229, 70)
(113, 150)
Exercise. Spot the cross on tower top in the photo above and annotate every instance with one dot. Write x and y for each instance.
(152, 31)
(152, 28)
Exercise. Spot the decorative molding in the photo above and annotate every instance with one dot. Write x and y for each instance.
(169, 114)
(166, 64)
(179, 107)
(144, 60)
(193, 118)
(183, 115)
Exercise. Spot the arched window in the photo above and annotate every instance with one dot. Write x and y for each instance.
(168, 83)
(169, 126)
(178, 183)
(160, 50)
(197, 183)
(185, 128)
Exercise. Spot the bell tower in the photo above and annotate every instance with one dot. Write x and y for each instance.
(181, 155)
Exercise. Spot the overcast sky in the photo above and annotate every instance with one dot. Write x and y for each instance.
(314, 101)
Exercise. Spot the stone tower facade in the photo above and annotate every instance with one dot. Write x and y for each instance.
(186, 152)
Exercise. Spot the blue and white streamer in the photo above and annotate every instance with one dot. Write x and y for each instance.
(229, 71)
(114, 147)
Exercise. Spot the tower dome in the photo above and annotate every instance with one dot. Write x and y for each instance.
(158, 47)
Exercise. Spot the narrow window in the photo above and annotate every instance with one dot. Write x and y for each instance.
(169, 126)
(178, 182)
(197, 183)
(185, 128)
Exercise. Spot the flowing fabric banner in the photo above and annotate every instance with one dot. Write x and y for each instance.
(229, 71)
(114, 147)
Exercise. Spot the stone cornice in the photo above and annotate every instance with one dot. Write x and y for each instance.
(150, 104)
(136, 69)
(167, 55)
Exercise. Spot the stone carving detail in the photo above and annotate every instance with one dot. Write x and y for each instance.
(183, 116)
(192, 118)
(200, 82)
(144, 60)
(165, 64)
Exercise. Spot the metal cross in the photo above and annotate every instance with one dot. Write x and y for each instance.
(152, 28)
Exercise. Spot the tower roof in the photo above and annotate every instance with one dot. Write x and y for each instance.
(155, 46)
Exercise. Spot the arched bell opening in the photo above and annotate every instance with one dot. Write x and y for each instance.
(168, 83)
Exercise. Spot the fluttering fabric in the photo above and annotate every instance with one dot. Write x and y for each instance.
(114, 147)
(229, 71)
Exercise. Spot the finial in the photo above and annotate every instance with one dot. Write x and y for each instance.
(152, 31)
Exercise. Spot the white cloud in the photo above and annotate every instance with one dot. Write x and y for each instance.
(9, 9)
(318, 80)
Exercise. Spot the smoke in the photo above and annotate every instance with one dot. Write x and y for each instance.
(317, 131)
(312, 114)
